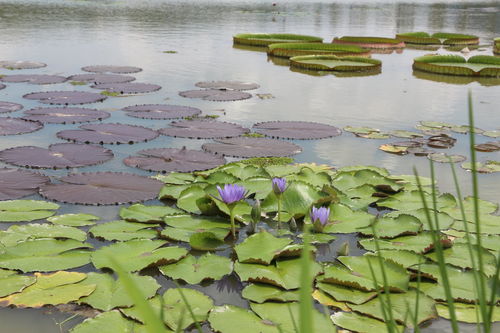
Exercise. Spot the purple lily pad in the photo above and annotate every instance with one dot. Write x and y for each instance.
(203, 129)
(228, 85)
(33, 78)
(14, 126)
(21, 64)
(65, 97)
(109, 134)
(101, 78)
(2, 86)
(217, 95)
(15, 184)
(296, 130)
(252, 147)
(102, 188)
(172, 159)
(65, 115)
(111, 69)
(127, 88)
(57, 156)
(161, 111)
(9, 107)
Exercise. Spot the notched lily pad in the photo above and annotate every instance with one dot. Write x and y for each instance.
(11, 282)
(442, 141)
(65, 115)
(252, 147)
(33, 78)
(217, 95)
(261, 248)
(111, 69)
(195, 270)
(486, 167)
(123, 231)
(230, 318)
(203, 129)
(445, 158)
(161, 111)
(65, 97)
(21, 233)
(102, 188)
(109, 134)
(74, 220)
(296, 130)
(15, 184)
(173, 159)
(127, 88)
(261, 293)
(16, 126)
(101, 78)
(56, 156)
(21, 64)
(9, 107)
(147, 214)
(228, 85)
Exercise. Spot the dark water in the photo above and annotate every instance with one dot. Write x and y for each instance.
(70, 34)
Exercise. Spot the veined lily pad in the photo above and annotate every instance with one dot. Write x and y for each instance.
(65, 97)
(74, 220)
(467, 313)
(327, 300)
(404, 258)
(485, 207)
(261, 248)
(252, 147)
(346, 294)
(194, 270)
(65, 115)
(334, 63)
(261, 293)
(110, 293)
(147, 214)
(16, 126)
(109, 134)
(9, 107)
(20, 233)
(479, 65)
(111, 69)
(51, 289)
(33, 78)
(230, 319)
(161, 111)
(358, 323)
(135, 255)
(11, 282)
(296, 130)
(123, 231)
(111, 321)
(445, 38)
(216, 95)
(26, 210)
(203, 129)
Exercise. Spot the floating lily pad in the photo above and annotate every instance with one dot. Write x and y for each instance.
(203, 129)
(137, 254)
(230, 318)
(194, 270)
(9, 107)
(33, 78)
(15, 184)
(229, 85)
(11, 282)
(444, 220)
(445, 158)
(205, 241)
(358, 323)
(173, 159)
(147, 214)
(74, 220)
(413, 200)
(111, 321)
(346, 294)
(394, 149)
(111, 69)
(21, 64)
(334, 63)
(261, 293)
(261, 248)
(101, 78)
(479, 65)
(56, 156)
(361, 130)
(488, 147)
(65, 97)
(287, 50)
(127, 88)
(486, 167)
(425, 38)
(51, 289)
(21, 233)
(467, 313)
(492, 134)
(216, 95)
(405, 134)
(182, 227)
(102, 188)
(65, 115)
(252, 147)
(420, 243)
(123, 231)
(161, 111)
(296, 130)
(16, 126)
(266, 39)
(370, 42)
(345, 220)
(442, 141)
(109, 134)
(390, 227)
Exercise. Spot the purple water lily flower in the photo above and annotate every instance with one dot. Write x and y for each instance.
(231, 193)
(319, 218)
(279, 185)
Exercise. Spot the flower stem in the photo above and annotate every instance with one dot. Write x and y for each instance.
(231, 216)
(279, 212)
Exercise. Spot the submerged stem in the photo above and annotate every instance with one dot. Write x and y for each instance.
(231, 217)
(279, 211)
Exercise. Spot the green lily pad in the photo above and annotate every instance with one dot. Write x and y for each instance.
(435, 124)
(446, 158)
(182, 227)
(19, 233)
(285, 273)
(74, 220)
(488, 225)
(355, 272)
(346, 294)
(358, 323)
(261, 187)
(135, 255)
(123, 231)
(174, 308)
(147, 214)
(261, 293)
(412, 180)
(220, 177)
(111, 321)
(205, 241)
(467, 313)
(486, 167)
(26, 210)
(394, 149)
(375, 135)
(319, 238)
(51, 289)
(444, 220)
(490, 242)
(412, 201)
(327, 300)
(345, 180)
(244, 171)
(230, 319)
(309, 176)
(177, 178)
(390, 227)
(401, 257)
(188, 197)
(345, 220)
(110, 294)
(361, 130)
(420, 243)
(492, 134)
(193, 270)
(261, 248)
(171, 191)
(401, 306)
(485, 207)
(405, 134)
(11, 282)
(45, 255)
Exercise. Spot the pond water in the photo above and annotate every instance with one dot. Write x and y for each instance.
(68, 35)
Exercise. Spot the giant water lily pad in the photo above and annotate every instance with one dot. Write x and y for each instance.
(9, 107)
(358, 323)
(11, 282)
(109, 134)
(128, 87)
(216, 95)
(111, 69)
(266, 39)
(74, 220)
(45, 255)
(334, 63)
(296, 130)
(102, 188)
(161, 111)
(111, 321)
(110, 293)
(203, 129)
(370, 42)
(173, 159)
(65, 115)
(229, 85)
(101, 78)
(15, 184)
(261, 248)
(479, 65)
(287, 50)
(20, 233)
(8, 64)
(230, 318)
(261, 293)
(51, 289)
(252, 147)
(15, 126)
(135, 255)
(56, 156)
(194, 270)
(123, 231)
(33, 78)
(65, 97)
(147, 214)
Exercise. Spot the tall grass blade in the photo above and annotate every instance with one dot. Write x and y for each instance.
(306, 323)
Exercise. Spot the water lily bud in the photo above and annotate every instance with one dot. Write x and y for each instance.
(256, 212)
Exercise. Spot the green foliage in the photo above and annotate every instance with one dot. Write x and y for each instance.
(266, 39)
(363, 39)
(288, 50)
(334, 63)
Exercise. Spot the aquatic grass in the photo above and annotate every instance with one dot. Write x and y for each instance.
(306, 323)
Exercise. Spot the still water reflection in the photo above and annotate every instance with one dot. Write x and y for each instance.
(70, 34)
